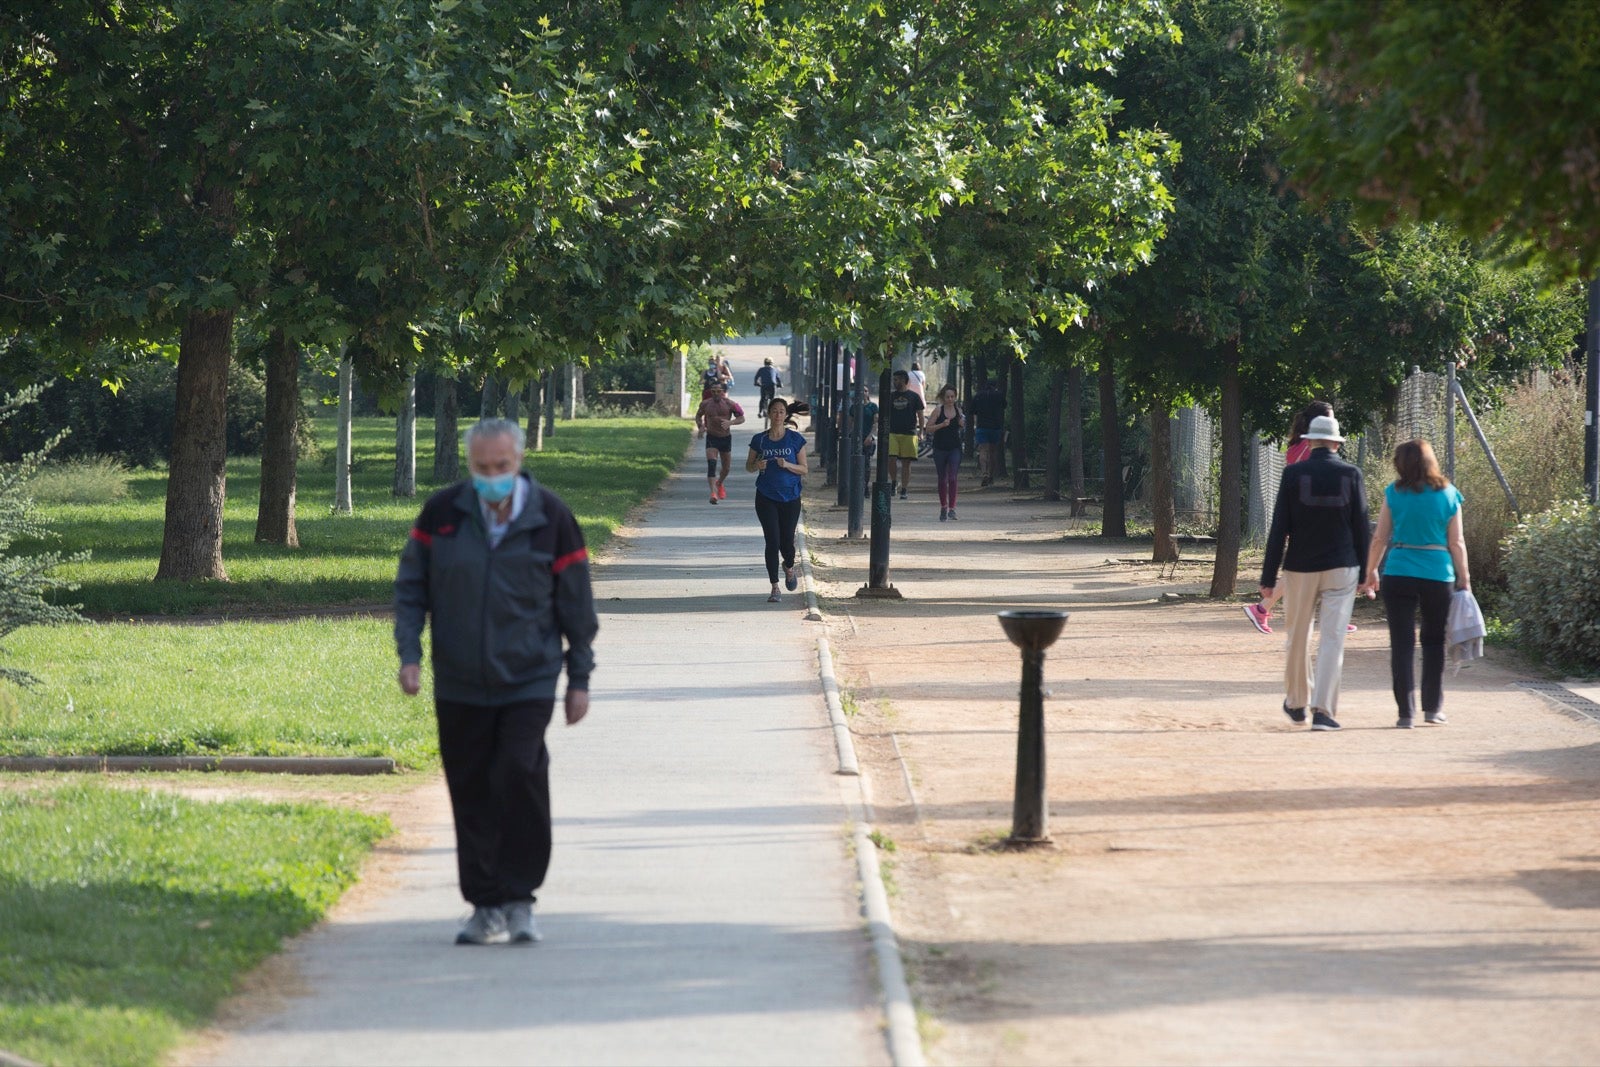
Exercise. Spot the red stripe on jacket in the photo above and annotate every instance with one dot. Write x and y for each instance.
(561, 564)
(419, 534)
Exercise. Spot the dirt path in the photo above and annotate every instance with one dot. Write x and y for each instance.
(1223, 886)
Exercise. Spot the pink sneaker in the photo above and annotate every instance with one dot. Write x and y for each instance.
(1259, 617)
(1351, 628)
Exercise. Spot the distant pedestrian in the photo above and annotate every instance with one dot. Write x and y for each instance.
(1320, 537)
(917, 381)
(988, 410)
(714, 420)
(1260, 615)
(945, 426)
(905, 427)
(711, 378)
(497, 570)
(778, 457)
(1422, 550)
(869, 435)
(769, 381)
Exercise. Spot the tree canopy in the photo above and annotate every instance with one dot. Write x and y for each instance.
(1477, 112)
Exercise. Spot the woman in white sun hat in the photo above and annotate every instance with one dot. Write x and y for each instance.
(1319, 536)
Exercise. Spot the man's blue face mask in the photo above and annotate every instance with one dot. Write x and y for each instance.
(494, 487)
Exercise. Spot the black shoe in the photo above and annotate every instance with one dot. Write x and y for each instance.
(902, 494)
(1295, 714)
(1434, 718)
(1403, 722)
(1321, 720)
(790, 582)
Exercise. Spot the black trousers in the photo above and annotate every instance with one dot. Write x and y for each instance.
(498, 770)
(1403, 597)
(778, 519)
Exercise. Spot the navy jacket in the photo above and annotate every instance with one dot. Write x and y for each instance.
(498, 616)
(1322, 513)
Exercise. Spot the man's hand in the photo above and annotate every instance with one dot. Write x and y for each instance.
(577, 705)
(411, 679)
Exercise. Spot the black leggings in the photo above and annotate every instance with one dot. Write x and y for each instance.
(1402, 596)
(778, 519)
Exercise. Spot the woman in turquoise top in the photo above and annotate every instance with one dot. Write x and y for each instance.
(1424, 556)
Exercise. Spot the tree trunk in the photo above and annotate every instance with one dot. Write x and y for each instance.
(489, 406)
(197, 473)
(513, 405)
(1019, 443)
(1163, 517)
(405, 440)
(446, 435)
(1052, 452)
(549, 404)
(1225, 572)
(969, 440)
(280, 451)
(1000, 370)
(1113, 516)
(1075, 438)
(341, 457)
(535, 431)
(569, 391)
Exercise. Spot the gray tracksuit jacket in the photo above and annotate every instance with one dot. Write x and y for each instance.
(498, 615)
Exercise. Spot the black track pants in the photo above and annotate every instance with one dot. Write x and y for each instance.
(498, 771)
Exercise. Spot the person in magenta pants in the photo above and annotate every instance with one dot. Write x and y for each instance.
(945, 425)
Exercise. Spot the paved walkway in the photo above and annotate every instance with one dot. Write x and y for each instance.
(701, 906)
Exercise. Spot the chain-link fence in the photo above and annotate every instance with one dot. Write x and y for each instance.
(1421, 410)
(1194, 466)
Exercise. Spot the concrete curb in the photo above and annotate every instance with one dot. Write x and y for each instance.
(813, 612)
(841, 728)
(905, 1043)
(11, 1059)
(255, 764)
(900, 1012)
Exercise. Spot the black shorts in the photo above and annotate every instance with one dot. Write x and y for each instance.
(721, 444)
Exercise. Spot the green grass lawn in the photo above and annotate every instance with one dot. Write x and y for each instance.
(128, 914)
(307, 687)
(600, 467)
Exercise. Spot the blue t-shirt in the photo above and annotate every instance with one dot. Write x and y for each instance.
(775, 483)
(1421, 518)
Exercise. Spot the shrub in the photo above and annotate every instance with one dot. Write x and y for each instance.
(87, 480)
(633, 371)
(25, 581)
(1551, 563)
(135, 423)
(1537, 437)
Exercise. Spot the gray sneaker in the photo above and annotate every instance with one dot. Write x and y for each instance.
(519, 923)
(487, 926)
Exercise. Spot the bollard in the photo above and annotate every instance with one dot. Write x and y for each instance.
(1032, 631)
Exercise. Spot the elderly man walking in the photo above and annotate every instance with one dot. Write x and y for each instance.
(498, 568)
(1321, 513)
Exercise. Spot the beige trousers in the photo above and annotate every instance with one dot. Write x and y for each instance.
(1301, 589)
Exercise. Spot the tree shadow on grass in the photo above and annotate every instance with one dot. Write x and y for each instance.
(131, 947)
